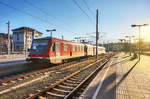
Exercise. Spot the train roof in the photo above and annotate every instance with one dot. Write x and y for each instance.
(43, 38)
(47, 38)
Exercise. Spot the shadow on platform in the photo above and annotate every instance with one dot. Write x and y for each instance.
(108, 89)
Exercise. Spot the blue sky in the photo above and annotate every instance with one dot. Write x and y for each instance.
(115, 17)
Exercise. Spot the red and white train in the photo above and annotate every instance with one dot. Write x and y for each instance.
(54, 50)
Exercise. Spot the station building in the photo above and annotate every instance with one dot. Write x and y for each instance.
(23, 37)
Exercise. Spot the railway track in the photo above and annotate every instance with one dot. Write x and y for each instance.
(7, 84)
(69, 86)
(24, 74)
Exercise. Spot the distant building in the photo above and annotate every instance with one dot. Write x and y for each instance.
(3, 42)
(23, 36)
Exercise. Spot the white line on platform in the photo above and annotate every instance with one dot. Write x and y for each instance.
(99, 86)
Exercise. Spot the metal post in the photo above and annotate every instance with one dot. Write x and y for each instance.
(139, 42)
(62, 37)
(12, 46)
(8, 45)
(96, 33)
(51, 34)
(130, 44)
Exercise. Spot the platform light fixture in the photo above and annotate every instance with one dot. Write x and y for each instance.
(139, 27)
(51, 31)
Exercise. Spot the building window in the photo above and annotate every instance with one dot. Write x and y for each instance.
(17, 36)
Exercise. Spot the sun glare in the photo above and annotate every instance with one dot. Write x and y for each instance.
(145, 33)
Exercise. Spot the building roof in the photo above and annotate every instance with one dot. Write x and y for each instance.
(26, 28)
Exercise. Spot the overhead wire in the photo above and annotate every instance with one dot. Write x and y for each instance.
(33, 16)
(88, 7)
(76, 3)
(44, 12)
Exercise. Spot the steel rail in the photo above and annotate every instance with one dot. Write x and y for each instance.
(70, 95)
(66, 78)
(40, 71)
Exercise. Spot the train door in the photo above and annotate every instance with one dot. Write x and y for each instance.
(85, 50)
(57, 49)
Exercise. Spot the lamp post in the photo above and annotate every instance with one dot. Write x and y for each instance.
(121, 44)
(129, 42)
(139, 27)
(51, 31)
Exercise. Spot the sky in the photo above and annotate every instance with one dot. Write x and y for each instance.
(115, 17)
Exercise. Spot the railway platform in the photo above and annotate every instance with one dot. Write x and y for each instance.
(8, 60)
(121, 78)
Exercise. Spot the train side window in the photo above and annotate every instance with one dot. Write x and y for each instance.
(73, 47)
(81, 48)
(77, 47)
(65, 47)
(53, 47)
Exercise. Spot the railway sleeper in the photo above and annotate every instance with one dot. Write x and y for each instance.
(76, 77)
(62, 90)
(13, 81)
(73, 81)
(41, 97)
(58, 91)
(20, 79)
(26, 77)
(55, 94)
(79, 77)
(32, 75)
(69, 84)
(70, 81)
(68, 87)
(4, 84)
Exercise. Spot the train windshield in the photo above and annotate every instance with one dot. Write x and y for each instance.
(39, 46)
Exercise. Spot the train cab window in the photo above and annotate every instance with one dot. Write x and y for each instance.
(53, 47)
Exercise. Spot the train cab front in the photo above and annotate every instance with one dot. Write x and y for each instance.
(39, 51)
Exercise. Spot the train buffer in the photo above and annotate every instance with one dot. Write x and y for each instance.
(121, 78)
